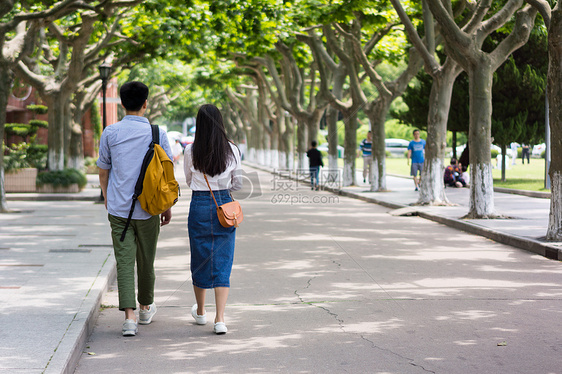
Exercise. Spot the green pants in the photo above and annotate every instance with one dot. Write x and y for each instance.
(140, 244)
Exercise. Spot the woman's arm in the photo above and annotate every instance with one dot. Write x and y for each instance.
(187, 163)
(236, 176)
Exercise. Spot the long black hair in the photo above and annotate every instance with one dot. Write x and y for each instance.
(211, 151)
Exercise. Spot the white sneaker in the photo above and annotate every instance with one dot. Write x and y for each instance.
(220, 328)
(200, 320)
(129, 328)
(145, 316)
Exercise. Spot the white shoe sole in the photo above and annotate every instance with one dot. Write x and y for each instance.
(130, 333)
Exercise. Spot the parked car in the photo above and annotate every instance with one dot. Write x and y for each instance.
(396, 147)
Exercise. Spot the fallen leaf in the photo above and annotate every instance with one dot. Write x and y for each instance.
(502, 344)
(91, 353)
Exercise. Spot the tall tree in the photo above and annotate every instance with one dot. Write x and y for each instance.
(444, 74)
(464, 45)
(377, 107)
(68, 58)
(552, 16)
(18, 28)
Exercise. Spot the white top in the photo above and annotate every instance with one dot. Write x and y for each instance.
(230, 179)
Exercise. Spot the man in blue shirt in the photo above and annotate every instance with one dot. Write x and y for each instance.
(122, 149)
(416, 152)
(367, 150)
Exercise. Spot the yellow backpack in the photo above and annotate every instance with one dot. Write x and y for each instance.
(157, 189)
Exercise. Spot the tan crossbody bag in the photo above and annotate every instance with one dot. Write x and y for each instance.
(230, 214)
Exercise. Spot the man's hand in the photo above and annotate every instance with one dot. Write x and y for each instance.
(166, 217)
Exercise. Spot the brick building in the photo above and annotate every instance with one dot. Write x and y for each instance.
(17, 112)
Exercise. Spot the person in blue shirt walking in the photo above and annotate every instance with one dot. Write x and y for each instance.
(416, 152)
(367, 150)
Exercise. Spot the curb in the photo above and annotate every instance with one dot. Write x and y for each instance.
(528, 244)
(68, 353)
(50, 197)
(538, 194)
(532, 245)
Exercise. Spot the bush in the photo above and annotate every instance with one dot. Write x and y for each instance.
(38, 109)
(38, 123)
(19, 129)
(543, 154)
(90, 161)
(495, 153)
(15, 157)
(37, 156)
(387, 153)
(64, 178)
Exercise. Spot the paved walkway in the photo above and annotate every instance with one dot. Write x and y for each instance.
(344, 289)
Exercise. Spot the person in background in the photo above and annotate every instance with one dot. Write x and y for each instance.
(314, 163)
(214, 158)
(525, 152)
(367, 152)
(452, 176)
(416, 152)
(177, 151)
(513, 147)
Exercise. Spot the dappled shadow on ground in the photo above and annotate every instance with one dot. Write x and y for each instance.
(345, 287)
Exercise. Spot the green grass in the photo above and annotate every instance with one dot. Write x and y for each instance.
(521, 177)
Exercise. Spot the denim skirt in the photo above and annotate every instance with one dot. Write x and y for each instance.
(211, 245)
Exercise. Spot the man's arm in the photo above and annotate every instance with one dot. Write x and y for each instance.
(409, 155)
(104, 179)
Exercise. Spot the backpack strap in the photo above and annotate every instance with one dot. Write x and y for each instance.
(138, 187)
(155, 134)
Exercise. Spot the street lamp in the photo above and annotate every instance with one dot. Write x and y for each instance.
(105, 72)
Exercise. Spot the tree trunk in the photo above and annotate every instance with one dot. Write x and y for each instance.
(455, 156)
(55, 140)
(75, 158)
(301, 144)
(332, 115)
(274, 144)
(286, 139)
(432, 188)
(349, 177)
(377, 116)
(504, 154)
(554, 231)
(332, 125)
(480, 135)
(5, 87)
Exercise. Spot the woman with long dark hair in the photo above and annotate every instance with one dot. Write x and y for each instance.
(212, 156)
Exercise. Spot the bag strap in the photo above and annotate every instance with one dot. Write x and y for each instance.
(155, 134)
(138, 187)
(212, 194)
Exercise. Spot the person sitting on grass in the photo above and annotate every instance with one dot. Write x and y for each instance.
(452, 176)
